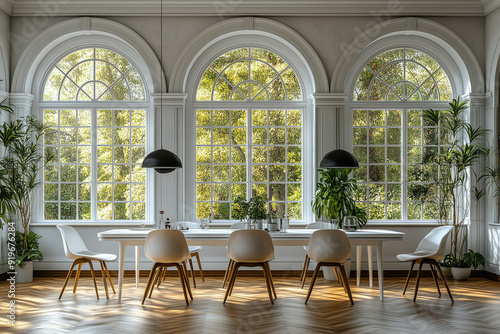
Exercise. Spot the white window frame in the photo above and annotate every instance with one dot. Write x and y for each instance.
(47, 64)
(432, 49)
(298, 64)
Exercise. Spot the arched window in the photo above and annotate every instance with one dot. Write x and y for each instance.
(249, 117)
(390, 138)
(94, 101)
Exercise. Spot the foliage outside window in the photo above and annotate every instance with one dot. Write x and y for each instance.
(390, 136)
(98, 146)
(244, 147)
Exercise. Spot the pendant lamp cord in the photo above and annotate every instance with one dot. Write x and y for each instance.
(161, 76)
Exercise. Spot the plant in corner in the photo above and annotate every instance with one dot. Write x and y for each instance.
(462, 267)
(334, 197)
(19, 169)
(446, 172)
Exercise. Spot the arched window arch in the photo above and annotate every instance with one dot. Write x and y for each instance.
(249, 133)
(390, 137)
(95, 101)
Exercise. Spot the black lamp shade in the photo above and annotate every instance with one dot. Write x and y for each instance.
(339, 159)
(163, 161)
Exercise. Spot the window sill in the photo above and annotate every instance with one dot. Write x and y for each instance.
(494, 224)
(92, 224)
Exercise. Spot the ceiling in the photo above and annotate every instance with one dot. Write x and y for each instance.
(250, 7)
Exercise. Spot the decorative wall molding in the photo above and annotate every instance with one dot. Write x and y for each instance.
(7, 6)
(250, 7)
(454, 52)
(71, 33)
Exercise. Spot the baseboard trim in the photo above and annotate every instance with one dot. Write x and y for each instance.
(246, 273)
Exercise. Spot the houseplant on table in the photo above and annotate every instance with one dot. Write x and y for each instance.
(19, 167)
(446, 173)
(334, 197)
(253, 210)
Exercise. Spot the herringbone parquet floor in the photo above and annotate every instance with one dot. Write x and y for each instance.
(248, 310)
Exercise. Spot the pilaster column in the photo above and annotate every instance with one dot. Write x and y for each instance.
(169, 130)
(21, 103)
(329, 117)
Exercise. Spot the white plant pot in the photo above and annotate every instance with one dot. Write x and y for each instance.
(446, 272)
(328, 273)
(25, 273)
(460, 274)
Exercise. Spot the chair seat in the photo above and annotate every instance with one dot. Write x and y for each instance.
(194, 249)
(96, 256)
(413, 256)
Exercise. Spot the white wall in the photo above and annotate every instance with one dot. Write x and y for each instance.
(329, 36)
(492, 61)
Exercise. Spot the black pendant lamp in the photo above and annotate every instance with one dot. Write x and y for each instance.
(339, 158)
(163, 161)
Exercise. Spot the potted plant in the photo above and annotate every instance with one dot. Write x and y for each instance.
(446, 173)
(462, 267)
(19, 167)
(334, 197)
(257, 210)
(239, 209)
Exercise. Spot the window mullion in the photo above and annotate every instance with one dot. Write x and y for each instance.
(250, 153)
(93, 168)
(404, 164)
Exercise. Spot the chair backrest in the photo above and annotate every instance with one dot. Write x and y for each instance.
(434, 242)
(184, 224)
(319, 226)
(238, 226)
(250, 246)
(166, 246)
(72, 241)
(329, 246)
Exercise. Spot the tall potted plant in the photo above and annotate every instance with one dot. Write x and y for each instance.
(19, 167)
(334, 197)
(446, 173)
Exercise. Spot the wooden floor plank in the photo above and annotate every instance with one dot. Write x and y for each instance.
(248, 310)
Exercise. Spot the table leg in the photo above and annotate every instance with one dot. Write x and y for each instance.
(358, 263)
(137, 256)
(121, 268)
(370, 265)
(380, 269)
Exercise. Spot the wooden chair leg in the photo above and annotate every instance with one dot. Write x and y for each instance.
(103, 273)
(435, 278)
(444, 281)
(226, 274)
(313, 280)
(155, 280)
(109, 277)
(232, 278)
(68, 277)
(192, 272)
(418, 281)
(346, 283)
(181, 273)
(305, 272)
(408, 277)
(197, 255)
(159, 277)
(77, 277)
(268, 283)
(149, 283)
(304, 268)
(187, 280)
(93, 277)
(164, 274)
(336, 270)
(268, 267)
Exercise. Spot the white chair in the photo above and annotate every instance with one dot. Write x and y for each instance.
(235, 226)
(430, 250)
(326, 226)
(193, 250)
(330, 248)
(250, 248)
(75, 249)
(167, 248)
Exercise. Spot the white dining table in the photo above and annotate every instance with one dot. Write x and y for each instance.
(219, 237)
